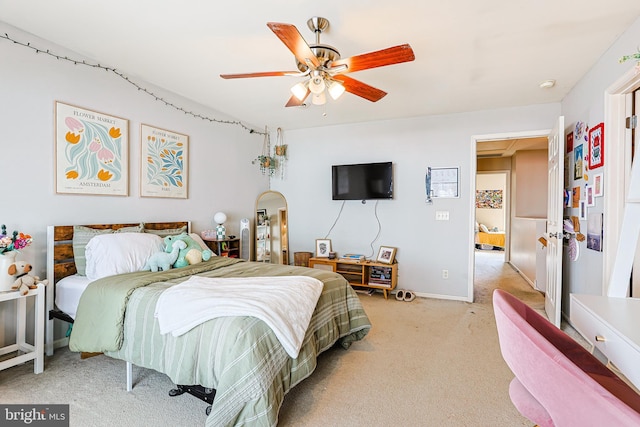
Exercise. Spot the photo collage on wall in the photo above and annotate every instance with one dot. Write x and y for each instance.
(584, 155)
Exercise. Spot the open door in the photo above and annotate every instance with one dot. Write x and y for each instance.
(555, 185)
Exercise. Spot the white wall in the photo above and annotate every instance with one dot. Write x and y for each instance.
(221, 176)
(425, 247)
(586, 103)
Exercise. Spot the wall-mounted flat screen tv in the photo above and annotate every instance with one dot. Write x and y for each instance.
(365, 181)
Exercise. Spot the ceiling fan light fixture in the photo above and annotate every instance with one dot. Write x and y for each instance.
(336, 89)
(319, 99)
(317, 85)
(300, 90)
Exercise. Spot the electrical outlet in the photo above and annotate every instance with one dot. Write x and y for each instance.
(445, 274)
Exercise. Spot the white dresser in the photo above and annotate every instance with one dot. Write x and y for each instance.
(612, 325)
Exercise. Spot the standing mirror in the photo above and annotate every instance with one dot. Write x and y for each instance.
(271, 232)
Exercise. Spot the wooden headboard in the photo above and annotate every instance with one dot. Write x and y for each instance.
(60, 261)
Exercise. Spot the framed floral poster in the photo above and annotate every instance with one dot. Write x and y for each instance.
(596, 146)
(91, 152)
(163, 169)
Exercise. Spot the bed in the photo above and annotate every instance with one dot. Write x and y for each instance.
(240, 357)
(492, 239)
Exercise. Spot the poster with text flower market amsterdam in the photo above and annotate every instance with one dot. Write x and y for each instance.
(91, 152)
(163, 170)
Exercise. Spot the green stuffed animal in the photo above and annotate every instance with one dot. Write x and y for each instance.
(192, 254)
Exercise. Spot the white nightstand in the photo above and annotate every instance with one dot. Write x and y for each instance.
(26, 351)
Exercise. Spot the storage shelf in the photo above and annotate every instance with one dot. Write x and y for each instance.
(360, 273)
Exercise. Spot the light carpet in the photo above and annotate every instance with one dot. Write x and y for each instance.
(425, 363)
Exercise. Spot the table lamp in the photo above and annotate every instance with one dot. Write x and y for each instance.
(220, 218)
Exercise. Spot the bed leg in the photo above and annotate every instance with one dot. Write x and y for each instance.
(129, 376)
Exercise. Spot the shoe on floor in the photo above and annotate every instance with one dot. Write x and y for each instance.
(409, 296)
(400, 295)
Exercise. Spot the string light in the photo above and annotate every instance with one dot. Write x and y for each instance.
(131, 82)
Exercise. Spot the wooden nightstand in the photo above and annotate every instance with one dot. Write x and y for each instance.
(24, 350)
(225, 247)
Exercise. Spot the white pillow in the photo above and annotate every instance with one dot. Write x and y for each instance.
(118, 253)
(484, 228)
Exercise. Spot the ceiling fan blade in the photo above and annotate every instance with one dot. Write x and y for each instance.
(290, 36)
(379, 58)
(363, 90)
(262, 74)
(295, 102)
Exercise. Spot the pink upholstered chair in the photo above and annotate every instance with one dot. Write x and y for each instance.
(557, 382)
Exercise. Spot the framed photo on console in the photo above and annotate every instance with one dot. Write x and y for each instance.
(386, 254)
(323, 248)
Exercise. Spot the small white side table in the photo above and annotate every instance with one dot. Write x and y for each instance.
(25, 350)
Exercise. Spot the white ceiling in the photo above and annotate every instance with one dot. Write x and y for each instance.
(470, 55)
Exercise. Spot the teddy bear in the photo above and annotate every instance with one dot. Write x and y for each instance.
(192, 254)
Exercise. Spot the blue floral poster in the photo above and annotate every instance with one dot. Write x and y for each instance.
(163, 171)
(91, 152)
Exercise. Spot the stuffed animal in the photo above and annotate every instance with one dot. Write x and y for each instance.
(192, 254)
(26, 282)
(164, 260)
(19, 268)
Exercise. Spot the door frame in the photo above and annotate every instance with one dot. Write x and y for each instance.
(475, 140)
(617, 170)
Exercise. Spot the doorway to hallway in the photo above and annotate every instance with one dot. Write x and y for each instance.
(499, 156)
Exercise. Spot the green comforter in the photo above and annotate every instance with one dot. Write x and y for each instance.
(238, 356)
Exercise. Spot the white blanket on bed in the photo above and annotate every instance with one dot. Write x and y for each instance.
(284, 303)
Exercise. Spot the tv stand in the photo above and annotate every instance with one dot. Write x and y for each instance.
(361, 274)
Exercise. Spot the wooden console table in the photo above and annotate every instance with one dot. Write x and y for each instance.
(365, 274)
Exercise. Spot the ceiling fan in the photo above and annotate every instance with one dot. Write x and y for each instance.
(324, 68)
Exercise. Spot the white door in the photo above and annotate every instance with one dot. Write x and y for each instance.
(555, 185)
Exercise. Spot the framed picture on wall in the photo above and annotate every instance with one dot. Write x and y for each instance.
(163, 163)
(589, 195)
(596, 146)
(598, 185)
(578, 167)
(583, 209)
(91, 152)
(569, 142)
